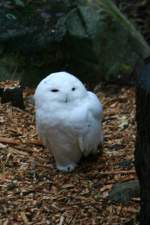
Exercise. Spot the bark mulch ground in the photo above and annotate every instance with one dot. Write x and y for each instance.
(32, 191)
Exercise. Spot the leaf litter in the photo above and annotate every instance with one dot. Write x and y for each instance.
(32, 191)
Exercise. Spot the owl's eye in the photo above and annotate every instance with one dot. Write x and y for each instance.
(54, 90)
(73, 89)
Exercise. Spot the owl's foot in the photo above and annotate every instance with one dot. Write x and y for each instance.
(67, 168)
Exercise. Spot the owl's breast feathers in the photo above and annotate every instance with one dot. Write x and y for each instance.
(66, 115)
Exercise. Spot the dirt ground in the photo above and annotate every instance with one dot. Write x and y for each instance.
(33, 192)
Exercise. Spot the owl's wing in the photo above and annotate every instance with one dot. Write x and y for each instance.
(41, 134)
(42, 129)
(91, 134)
(95, 106)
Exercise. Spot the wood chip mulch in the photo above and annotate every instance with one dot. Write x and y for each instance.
(33, 192)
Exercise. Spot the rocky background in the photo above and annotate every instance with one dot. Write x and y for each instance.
(40, 37)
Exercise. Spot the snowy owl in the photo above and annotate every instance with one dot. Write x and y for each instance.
(68, 119)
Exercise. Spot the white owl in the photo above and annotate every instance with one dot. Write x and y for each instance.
(68, 119)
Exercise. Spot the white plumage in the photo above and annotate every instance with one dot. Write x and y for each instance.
(68, 119)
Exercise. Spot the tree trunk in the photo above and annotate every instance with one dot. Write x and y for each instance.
(142, 149)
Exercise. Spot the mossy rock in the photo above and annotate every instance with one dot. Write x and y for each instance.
(124, 192)
(99, 47)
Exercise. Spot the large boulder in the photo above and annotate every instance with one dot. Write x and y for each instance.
(98, 47)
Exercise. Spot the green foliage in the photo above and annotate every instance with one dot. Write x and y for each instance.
(11, 16)
(19, 3)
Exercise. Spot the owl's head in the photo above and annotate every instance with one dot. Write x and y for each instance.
(60, 87)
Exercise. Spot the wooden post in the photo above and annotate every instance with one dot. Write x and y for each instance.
(142, 148)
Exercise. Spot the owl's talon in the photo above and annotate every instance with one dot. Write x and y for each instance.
(67, 168)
